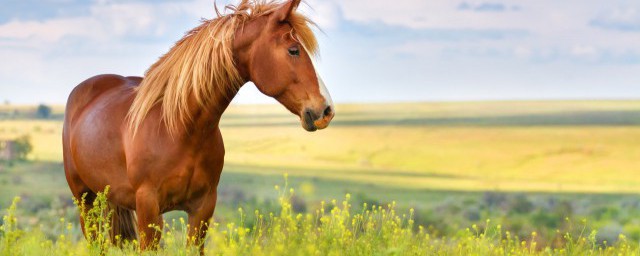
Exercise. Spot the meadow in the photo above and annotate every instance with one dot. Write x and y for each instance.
(527, 166)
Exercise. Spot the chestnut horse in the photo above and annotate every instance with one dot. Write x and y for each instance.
(155, 141)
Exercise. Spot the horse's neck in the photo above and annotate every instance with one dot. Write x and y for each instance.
(206, 118)
(243, 40)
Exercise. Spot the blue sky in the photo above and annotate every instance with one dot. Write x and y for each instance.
(371, 51)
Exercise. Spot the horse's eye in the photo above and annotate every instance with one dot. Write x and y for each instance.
(294, 51)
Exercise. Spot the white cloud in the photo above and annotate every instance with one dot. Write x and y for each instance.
(47, 31)
(555, 30)
(102, 23)
(410, 13)
(584, 50)
(106, 20)
(123, 19)
(322, 12)
(523, 52)
(63, 50)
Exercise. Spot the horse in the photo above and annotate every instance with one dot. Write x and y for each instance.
(155, 141)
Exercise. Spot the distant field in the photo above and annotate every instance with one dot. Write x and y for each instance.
(27, 112)
(579, 146)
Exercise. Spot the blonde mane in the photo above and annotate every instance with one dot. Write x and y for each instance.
(200, 66)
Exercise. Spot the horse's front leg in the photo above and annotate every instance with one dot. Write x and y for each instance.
(149, 218)
(199, 217)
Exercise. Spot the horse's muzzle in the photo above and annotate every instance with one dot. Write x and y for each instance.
(312, 120)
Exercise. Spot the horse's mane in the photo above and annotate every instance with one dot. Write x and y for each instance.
(200, 65)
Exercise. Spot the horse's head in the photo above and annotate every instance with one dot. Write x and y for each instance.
(280, 65)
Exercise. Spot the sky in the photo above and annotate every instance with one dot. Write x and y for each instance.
(371, 50)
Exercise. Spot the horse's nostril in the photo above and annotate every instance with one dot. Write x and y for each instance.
(308, 116)
(328, 111)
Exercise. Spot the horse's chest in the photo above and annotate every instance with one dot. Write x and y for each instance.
(195, 177)
(182, 191)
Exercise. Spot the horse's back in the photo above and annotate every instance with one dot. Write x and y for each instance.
(87, 91)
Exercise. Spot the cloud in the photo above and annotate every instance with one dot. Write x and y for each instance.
(445, 14)
(524, 30)
(491, 7)
(324, 13)
(584, 51)
(50, 54)
(409, 13)
(105, 20)
(404, 42)
(47, 31)
(486, 7)
(101, 23)
(39, 10)
(621, 19)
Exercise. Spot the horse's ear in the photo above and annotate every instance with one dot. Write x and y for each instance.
(282, 13)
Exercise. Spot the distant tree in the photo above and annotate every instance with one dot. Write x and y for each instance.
(7, 102)
(23, 147)
(43, 111)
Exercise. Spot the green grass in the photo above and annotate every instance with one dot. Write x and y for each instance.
(334, 228)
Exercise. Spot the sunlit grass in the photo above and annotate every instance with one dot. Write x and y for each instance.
(46, 137)
(482, 154)
(334, 228)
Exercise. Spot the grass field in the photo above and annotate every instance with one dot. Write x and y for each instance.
(332, 229)
(525, 165)
(504, 146)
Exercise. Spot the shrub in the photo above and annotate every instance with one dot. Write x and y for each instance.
(23, 147)
(43, 111)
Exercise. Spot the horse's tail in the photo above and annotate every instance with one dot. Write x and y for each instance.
(123, 224)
